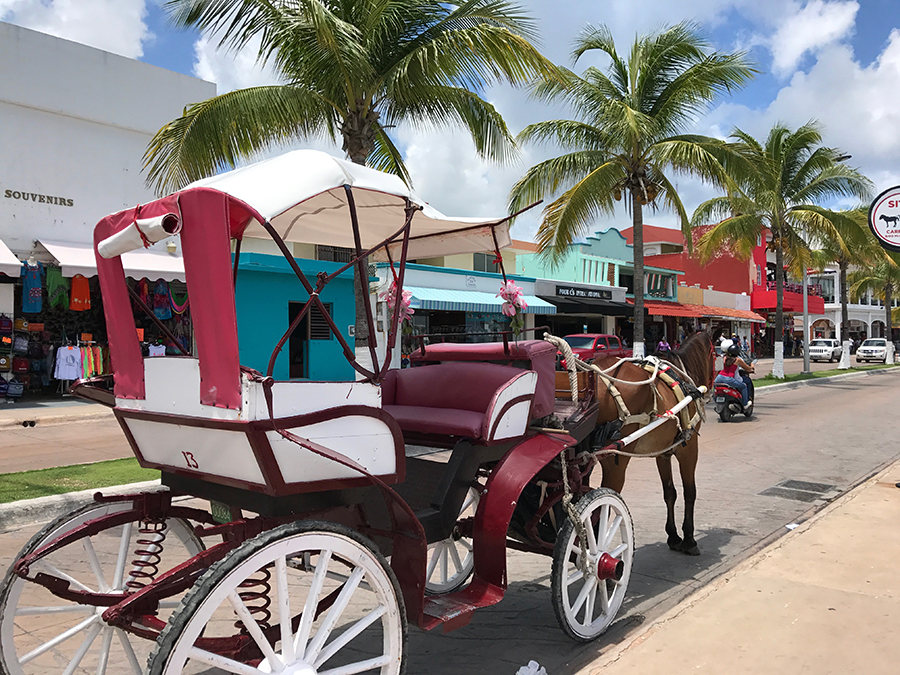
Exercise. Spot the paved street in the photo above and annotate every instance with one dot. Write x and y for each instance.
(827, 437)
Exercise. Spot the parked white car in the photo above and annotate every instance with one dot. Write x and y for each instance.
(822, 349)
(873, 349)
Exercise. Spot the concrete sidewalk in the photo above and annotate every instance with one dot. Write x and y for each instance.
(823, 599)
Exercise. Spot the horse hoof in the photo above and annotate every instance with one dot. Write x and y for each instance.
(675, 544)
(691, 550)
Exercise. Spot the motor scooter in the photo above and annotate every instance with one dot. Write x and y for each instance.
(728, 400)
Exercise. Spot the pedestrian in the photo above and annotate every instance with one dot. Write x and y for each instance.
(745, 345)
(663, 346)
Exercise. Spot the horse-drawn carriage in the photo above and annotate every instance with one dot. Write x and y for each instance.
(325, 535)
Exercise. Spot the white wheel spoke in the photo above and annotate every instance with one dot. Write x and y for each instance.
(130, 656)
(432, 563)
(573, 577)
(582, 595)
(123, 556)
(454, 554)
(470, 499)
(334, 613)
(83, 647)
(359, 667)
(619, 550)
(95, 564)
(223, 662)
(312, 601)
(349, 634)
(608, 535)
(589, 605)
(255, 631)
(56, 609)
(62, 575)
(465, 544)
(445, 560)
(604, 598)
(59, 639)
(284, 609)
(104, 650)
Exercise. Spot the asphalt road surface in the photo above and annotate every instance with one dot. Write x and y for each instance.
(755, 476)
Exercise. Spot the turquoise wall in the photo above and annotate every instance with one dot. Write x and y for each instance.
(608, 244)
(265, 286)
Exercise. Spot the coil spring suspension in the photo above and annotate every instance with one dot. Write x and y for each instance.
(144, 568)
(254, 592)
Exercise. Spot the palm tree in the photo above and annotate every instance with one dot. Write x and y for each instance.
(778, 188)
(881, 278)
(351, 69)
(855, 245)
(628, 139)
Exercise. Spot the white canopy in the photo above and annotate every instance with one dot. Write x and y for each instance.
(79, 259)
(9, 264)
(301, 193)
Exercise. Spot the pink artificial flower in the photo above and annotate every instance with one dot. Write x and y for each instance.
(508, 309)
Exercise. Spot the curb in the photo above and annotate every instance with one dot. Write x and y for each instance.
(804, 524)
(46, 509)
(27, 415)
(816, 380)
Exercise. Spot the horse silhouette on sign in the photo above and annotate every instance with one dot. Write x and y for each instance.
(890, 220)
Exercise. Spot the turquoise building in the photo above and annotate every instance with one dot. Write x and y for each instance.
(268, 296)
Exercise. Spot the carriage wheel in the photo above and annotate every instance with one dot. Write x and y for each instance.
(306, 598)
(451, 561)
(587, 597)
(42, 633)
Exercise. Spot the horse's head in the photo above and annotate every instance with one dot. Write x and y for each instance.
(698, 354)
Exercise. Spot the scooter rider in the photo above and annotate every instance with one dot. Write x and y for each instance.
(730, 376)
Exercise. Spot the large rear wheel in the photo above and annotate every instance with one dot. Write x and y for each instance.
(42, 634)
(588, 592)
(306, 598)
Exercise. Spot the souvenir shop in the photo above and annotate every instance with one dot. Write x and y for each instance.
(57, 333)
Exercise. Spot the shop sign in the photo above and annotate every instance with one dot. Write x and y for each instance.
(38, 198)
(884, 218)
(591, 293)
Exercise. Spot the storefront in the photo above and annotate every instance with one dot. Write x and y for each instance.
(452, 305)
(582, 308)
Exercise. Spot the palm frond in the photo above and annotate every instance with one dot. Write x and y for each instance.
(559, 173)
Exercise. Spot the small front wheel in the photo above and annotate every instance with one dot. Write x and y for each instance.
(588, 592)
(451, 561)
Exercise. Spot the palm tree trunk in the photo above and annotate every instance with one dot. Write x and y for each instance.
(637, 222)
(778, 367)
(845, 315)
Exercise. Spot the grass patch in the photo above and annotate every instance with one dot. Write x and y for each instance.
(769, 380)
(63, 479)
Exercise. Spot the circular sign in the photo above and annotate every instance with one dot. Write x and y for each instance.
(884, 218)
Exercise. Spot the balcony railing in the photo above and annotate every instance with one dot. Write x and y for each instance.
(814, 289)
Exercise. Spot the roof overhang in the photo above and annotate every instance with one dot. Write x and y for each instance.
(9, 263)
(79, 259)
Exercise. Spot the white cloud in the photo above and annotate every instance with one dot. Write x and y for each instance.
(116, 26)
(231, 70)
(808, 30)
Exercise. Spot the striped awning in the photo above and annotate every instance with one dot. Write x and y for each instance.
(470, 301)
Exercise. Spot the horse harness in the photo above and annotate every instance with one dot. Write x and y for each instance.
(673, 378)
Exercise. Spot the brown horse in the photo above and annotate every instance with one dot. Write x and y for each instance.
(697, 358)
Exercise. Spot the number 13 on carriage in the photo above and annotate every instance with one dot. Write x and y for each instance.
(884, 218)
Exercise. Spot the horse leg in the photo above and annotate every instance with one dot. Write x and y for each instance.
(614, 472)
(670, 495)
(687, 464)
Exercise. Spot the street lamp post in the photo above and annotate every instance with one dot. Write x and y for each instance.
(805, 322)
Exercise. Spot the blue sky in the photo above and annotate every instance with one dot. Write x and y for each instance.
(837, 61)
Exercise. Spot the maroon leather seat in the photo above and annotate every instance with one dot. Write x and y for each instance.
(471, 400)
(535, 355)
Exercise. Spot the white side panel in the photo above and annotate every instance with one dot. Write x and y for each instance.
(172, 385)
(300, 398)
(524, 385)
(366, 440)
(514, 422)
(211, 451)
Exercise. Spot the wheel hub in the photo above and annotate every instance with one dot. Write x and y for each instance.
(609, 567)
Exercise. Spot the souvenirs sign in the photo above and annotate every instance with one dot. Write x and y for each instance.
(884, 218)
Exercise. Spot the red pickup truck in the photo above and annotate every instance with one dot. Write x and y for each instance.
(588, 346)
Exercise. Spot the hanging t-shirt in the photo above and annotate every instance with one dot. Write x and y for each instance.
(81, 294)
(143, 289)
(68, 363)
(157, 350)
(57, 288)
(32, 294)
(162, 306)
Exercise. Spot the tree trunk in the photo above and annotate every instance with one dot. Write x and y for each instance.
(778, 367)
(637, 212)
(845, 316)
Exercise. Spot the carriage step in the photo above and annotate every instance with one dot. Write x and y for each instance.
(454, 610)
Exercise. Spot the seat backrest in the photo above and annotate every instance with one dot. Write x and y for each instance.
(535, 355)
(459, 385)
